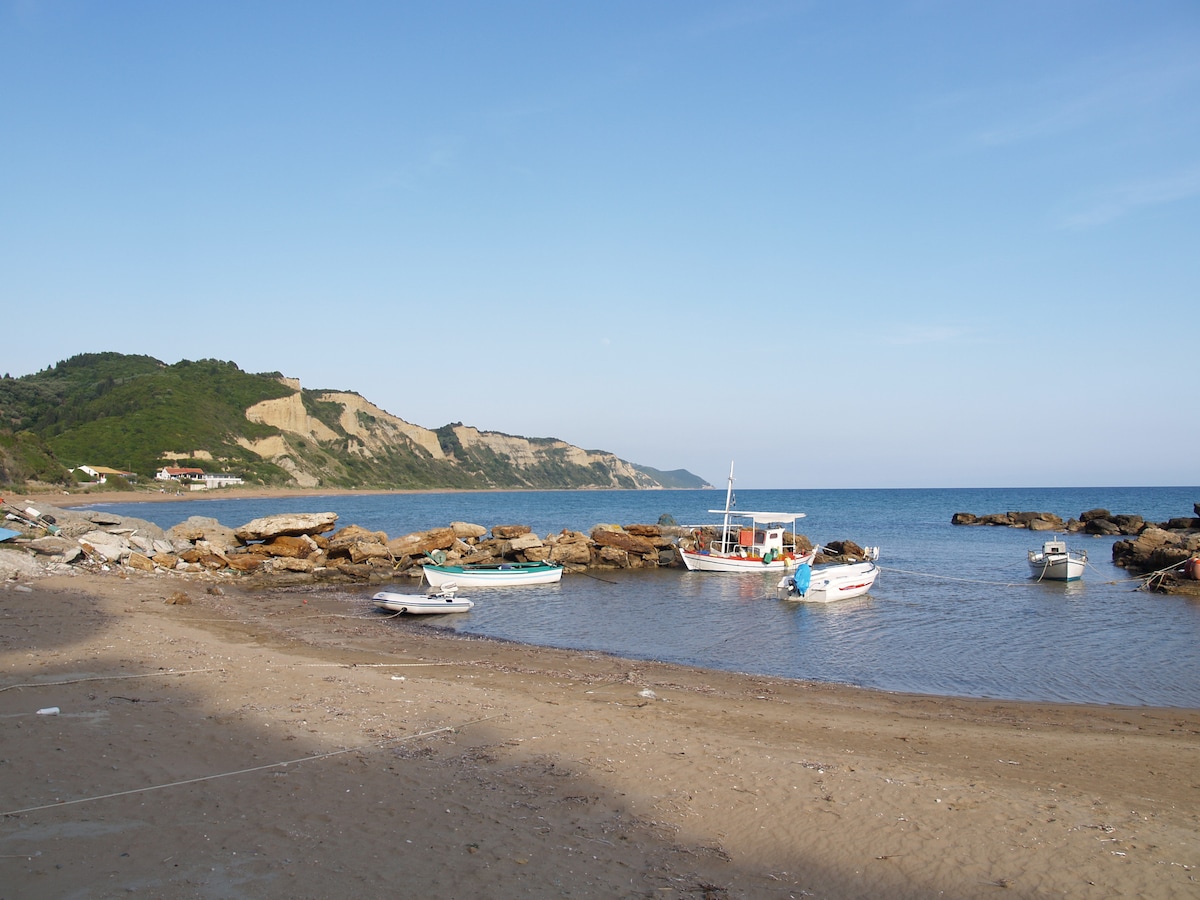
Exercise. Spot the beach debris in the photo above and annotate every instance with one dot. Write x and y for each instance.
(48, 711)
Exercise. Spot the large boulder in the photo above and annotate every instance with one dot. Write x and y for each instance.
(482, 555)
(608, 536)
(1102, 527)
(203, 528)
(247, 562)
(1001, 519)
(17, 564)
(51, 545)
(571, 548)
(357, 543)
(108, 547)
(1036, 521)
(362, 551)
(286, 545)
(1154, 549)
(840, 552)
(140, 562)
(140, 527)
(523, 542)
(656, 535)
(646, 531)
(504, 532)
(421, 542)
(1182, 523)
(287, 564)
(1129, 524)
(286, 523)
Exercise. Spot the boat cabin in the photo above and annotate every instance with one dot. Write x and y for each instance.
(762, 536)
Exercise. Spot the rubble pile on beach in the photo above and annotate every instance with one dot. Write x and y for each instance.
(1152, 547)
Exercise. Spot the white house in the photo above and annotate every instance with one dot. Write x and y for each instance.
(174, 473)
(100, 474)
(200, 480)
(220, 481)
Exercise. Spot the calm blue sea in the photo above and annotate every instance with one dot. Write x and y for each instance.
(954, 613)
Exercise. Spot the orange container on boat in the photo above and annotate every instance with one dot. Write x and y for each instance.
(746, 537)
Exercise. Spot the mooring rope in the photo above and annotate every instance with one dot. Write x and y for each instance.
(107, 678)
(951, 577)
(290, 762)
(1007, 583)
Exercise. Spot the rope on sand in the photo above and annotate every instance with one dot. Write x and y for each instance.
(374, 665)
(290, 762)
(107, 678)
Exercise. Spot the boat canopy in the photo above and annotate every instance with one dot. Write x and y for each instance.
(760, 518)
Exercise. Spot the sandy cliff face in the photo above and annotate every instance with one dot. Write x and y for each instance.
(371, 427)
(526, 454)
(365, 431)
(375, 428)
(288, 414)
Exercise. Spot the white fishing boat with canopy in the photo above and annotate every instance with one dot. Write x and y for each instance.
(747, 541)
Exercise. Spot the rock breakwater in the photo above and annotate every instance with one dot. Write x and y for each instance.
(311, 547)
(1164, 548)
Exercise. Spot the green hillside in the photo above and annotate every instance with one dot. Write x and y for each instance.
(136, 412)
(126, 411)
(24, 457)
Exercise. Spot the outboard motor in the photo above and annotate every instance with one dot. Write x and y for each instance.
(802, 579)
(798, 583)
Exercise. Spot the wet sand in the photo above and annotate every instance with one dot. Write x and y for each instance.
(299, 743)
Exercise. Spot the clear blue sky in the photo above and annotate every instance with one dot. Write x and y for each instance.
(893, 244)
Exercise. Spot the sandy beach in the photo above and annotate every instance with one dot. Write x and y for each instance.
(212, 742)
(89, 498)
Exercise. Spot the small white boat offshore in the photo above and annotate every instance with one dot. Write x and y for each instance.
(442, 600)
(748, 542)
(503, 574)
(1054, 562)
(825, 584)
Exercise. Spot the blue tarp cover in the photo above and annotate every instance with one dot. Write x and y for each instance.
(803, 578)
(6, 533)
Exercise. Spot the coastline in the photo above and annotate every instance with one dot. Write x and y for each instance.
(462, 766)
(72, 501)
(81, 499)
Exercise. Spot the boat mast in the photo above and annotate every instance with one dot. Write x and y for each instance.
(728, 503)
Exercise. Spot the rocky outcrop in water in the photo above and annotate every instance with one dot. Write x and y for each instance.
(1158, 547)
